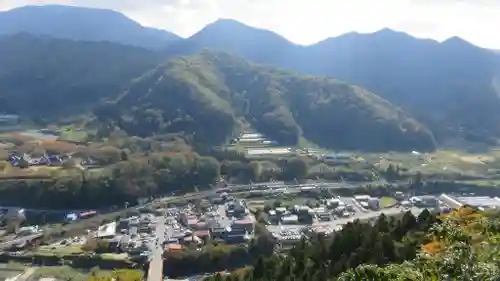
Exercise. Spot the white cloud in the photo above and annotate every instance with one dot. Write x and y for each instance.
(308, 21)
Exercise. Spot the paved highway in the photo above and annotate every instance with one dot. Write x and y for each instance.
(156, 263)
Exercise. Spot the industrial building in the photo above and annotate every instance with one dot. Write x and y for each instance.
(483, 202)
(480, 202)
(447, 200)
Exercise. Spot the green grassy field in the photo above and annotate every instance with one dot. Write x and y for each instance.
(387, 202)
(59, 250)
(445, 162)
(492, 183)
(66, 273)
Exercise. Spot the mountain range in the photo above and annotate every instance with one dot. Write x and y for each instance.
(450, 87)
(80, 23)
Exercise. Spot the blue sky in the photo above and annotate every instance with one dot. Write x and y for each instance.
(309, 21)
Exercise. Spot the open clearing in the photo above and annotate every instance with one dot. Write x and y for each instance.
(59, 250)
(439, 162)
(6, 273)
(386, 202)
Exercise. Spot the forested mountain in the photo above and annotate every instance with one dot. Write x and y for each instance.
(451, 86)
(79, 23)
(208, 94)
(46, 77)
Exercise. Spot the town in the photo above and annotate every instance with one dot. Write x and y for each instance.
(154, 235)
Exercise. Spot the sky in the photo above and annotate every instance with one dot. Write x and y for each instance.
(310, 21)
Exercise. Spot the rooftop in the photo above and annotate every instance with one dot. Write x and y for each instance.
(480, 201)
(107, 230)
(243, 221)
(202, 233)
(173, 247)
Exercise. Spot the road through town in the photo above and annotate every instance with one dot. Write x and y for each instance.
(156, 264)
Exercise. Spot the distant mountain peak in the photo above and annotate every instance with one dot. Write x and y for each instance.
(456, 40)
(232, 25)
(225, 28)
(228, 21)
(386, 30)
(391, 33)
(82, 23)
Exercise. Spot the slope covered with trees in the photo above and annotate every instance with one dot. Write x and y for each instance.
(452, 86)
(208, 94)
(44, 77)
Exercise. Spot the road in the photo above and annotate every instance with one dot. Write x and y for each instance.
(27, 274)
(156, 262)
(17, 241)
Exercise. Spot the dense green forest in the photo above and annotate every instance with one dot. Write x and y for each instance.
(154, 170)
(462, 245)
(450, 86)
(209, 94)
(46, 78)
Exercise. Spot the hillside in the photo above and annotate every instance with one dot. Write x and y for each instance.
(451, 86)
(41, 77)
(448, 84)
(79, 23)
(204, 95)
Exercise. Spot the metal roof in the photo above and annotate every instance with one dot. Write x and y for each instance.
(480, 201)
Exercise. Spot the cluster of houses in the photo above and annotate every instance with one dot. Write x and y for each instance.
(49, 160)
(24, 160)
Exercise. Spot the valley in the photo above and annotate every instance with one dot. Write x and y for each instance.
(129, 153)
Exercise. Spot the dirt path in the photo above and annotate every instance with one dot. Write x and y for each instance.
(27, 274)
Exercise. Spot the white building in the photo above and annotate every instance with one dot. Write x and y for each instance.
(450, 201)
(107, 230)
(360, 198)
(291, 219)
(482, 202)
(245, 136)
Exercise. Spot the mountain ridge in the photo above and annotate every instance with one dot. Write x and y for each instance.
(81, 23)
(451, 86)
(447, 84)
(204, 95)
